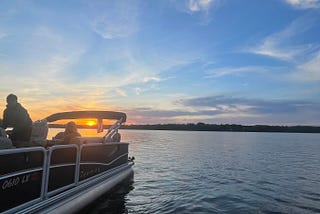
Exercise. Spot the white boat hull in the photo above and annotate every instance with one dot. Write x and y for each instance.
(88, 193)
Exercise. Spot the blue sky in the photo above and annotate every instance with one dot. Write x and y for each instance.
(169, 61)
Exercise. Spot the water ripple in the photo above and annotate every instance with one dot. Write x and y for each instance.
(217, 172)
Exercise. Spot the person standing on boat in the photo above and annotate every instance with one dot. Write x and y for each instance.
(17, 117)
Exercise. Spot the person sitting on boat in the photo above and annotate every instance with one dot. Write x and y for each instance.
(17, 117)
(70, 132)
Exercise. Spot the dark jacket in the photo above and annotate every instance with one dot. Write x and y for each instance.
(18, 118)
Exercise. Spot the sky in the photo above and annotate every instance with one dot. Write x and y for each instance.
(165, 61)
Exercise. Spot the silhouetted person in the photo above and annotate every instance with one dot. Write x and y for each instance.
(70, 132)
(17, 117)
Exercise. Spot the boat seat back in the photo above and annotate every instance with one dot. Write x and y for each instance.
(5, 142)
(86, 140)
(39, 133)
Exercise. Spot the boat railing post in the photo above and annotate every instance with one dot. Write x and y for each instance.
(113, 129)
(44, 182)
(77, 172)
(47, 172)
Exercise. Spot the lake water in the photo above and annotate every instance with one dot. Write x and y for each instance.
(219, 172)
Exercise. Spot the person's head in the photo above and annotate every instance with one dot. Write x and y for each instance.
(71, 127)
(12, 100)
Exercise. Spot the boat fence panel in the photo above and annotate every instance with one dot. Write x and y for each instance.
(21, 174)
(99, 158)
(62, 168)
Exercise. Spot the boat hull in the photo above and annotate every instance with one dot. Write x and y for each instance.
(83, 195)
(60, 179)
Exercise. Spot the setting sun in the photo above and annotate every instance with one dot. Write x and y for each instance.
(91, 123)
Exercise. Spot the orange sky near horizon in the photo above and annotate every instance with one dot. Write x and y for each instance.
(38, 112)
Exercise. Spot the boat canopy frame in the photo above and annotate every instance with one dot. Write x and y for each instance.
(120, 118)
(112, 115)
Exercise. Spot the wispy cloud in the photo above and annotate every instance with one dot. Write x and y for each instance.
(121, 92)
(148, 79)
(304, 4)
(200, 5)
(2, 35)
(308, 71)
(287, 111)
(138, 90)
(304, 58)
(200, 8)
(115, 19)
(223, 109)
(281, 45)
(149, 115)
(252, 105)
(219, 72)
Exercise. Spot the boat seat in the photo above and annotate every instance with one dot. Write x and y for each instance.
(39, 133)
(5, 142)
(86, 140)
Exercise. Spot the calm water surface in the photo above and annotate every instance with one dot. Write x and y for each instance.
(219, 172)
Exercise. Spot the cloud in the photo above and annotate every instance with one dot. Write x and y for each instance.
(200, 5)
(219, 72)
(2, 35)
(148, 79)
(223, 109)
(138, 90)
(198, 8)
(304, 58)
(304, 4)
(152, 116)
(308, 71)
(115, 19)
(280, 45)
(121, 92)
(251, 105)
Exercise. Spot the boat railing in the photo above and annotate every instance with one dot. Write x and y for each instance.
(98, 157)
(60, 159)
(22, 169)
(49, 171)
(113, 130)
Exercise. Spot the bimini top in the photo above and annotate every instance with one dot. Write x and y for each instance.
(87, 114)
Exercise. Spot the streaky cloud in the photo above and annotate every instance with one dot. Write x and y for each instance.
(150, 112)
(148, 79)
(203, 8)
(279, 45)
(219, 72)
(223, 109)
(304, 4)
(253, 105)
(121, 92)
(308, 71)
(117, 19)
(199, 5)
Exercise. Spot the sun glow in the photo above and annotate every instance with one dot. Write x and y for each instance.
(91, 123)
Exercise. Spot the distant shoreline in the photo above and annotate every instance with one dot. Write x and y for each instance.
(212, 127)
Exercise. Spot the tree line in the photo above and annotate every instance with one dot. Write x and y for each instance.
(226, 127)
(212, 127)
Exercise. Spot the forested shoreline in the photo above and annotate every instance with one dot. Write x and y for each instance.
(214, 127)
(226, 127)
